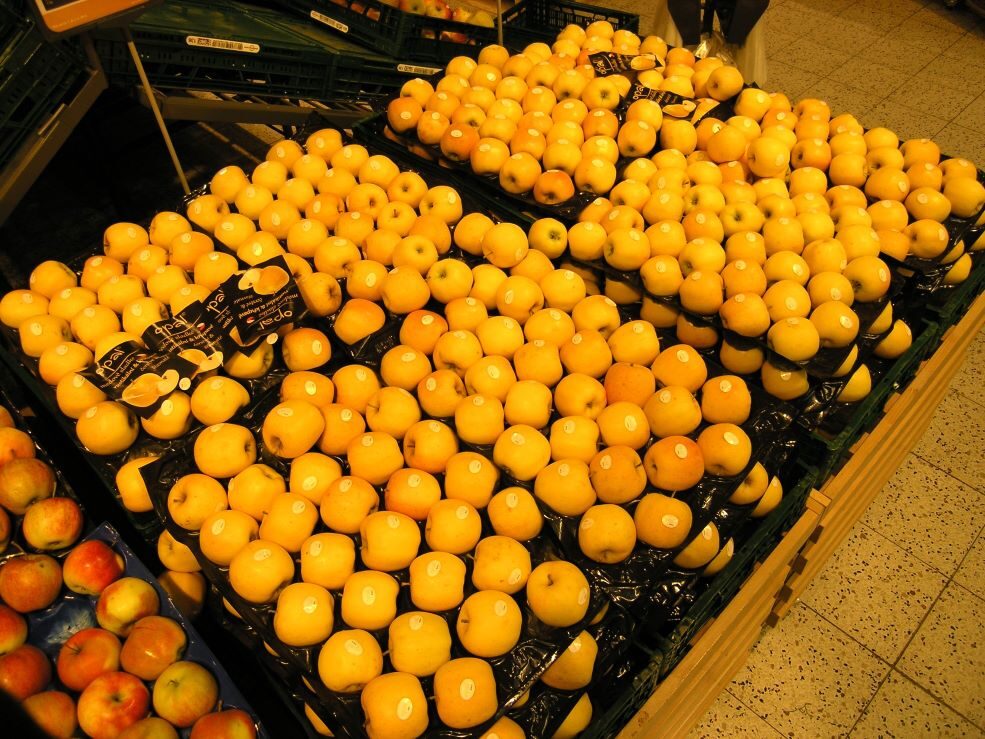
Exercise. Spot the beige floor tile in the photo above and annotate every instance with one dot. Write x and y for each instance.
(971, 573)
(919, 33)
(877, 80)
(808, 679)
(932, 95)
(728, 717)
(970, 379)
(778, 41)
(954, 440)
(960, 141)
(953, 72)
(785, 78)
(905, 121)
(973, 114)
(947, 655)
(929, 514)
(951, 19)
(814, 57)
(885, 14)
(846, 35)
(902, 709)
(873, 591)
(970, 47)
(897, 53)
(800, 16)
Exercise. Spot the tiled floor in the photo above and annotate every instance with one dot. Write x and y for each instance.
(888, 641)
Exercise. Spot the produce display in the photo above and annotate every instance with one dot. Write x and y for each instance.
(88, 640)
(446, 466)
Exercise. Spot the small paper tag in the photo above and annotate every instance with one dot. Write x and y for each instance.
(218, 43)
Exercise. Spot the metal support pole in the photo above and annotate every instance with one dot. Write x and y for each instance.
(152, 101)
(499, 20)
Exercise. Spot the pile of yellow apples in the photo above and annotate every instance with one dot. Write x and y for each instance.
(516, 384)
(512, 388)
(773, 222)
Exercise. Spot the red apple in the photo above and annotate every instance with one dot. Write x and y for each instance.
(6, 420)
(91, 566)
(151, 727)
(111, 703)
(437, 9)
(15, 444)
(30, 582)
(412, 6)
(13, 629)
(461, 14)
(54, 712)
(25, 671)
(86, 655)
(125, 602)
(24, 481)
(185, 692)
(54, 523)
(231, 724)
(154, 643)
(5, 529)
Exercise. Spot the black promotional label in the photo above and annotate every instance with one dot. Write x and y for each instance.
(251, 304)
(140, 378)
(678, 106)
(182, 335)
(608, 62)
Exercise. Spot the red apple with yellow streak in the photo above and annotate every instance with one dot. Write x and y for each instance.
(30, 582)
(91, 566)
(111, 703)
(154, 643)
(86, 655)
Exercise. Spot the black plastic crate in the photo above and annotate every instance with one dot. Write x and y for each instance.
(389, 30)
(234, 48)
(35, 77)
(530, 21)
(765, 535)
(212, 46)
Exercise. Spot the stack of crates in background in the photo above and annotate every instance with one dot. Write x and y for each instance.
(436, 32)
(35, 77)
(229, 47)
(320, 50)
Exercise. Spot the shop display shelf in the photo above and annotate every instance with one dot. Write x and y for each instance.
(949, 303)
(622, 709)
(35, 77)
(761, 537)
(683, 696)
(387, 29)
(828, 445)
(530, 21)
(874, 457)
(49, 628)
(233, 48)
(100, 471)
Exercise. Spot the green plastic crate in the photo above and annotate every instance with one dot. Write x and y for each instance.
(671, 648)
(35, 77)
(235, 48)
(389, 30)
(827, 451)
(950, 304)
(530, 21)
(610, 722)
